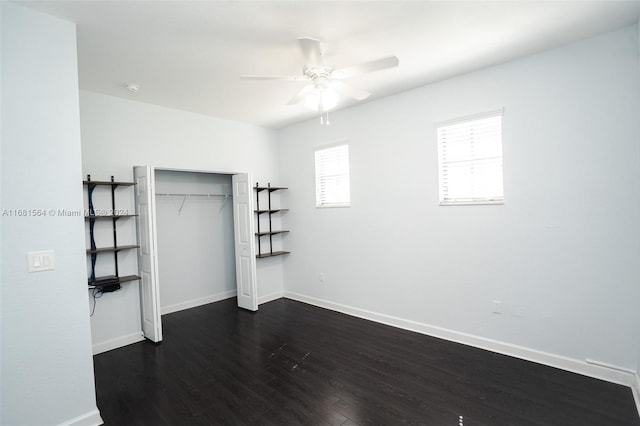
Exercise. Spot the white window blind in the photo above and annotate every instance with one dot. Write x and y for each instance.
(470, 160)
(332, 176)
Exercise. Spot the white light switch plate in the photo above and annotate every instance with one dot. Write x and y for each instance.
(41, 261)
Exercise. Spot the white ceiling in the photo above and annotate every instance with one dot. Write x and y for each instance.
(189, 54)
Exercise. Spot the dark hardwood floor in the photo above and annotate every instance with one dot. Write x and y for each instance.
(295, 364)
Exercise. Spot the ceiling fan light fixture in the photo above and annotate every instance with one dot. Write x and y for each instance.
(322, 99)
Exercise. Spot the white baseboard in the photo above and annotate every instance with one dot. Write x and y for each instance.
(269, 297)
(197, 302)
(635, 388)
(118, 342)
(618, 376)
(92, 418)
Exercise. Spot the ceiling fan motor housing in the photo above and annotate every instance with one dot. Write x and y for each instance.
(319, 76)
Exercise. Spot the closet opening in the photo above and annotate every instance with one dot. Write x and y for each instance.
(195, 238)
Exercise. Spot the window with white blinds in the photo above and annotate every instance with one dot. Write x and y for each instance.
(470, 160)
(332, 176)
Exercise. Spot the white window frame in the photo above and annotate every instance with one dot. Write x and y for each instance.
(493, 158)
(342, 174)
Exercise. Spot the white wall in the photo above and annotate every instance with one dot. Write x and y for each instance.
(118, 134)
(196, 254)
(561, 253)
(638, 351)
(47, 370)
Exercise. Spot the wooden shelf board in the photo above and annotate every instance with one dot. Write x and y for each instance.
(107, 182)
(109, 216)
(268, 188)
(271, 211)
(271, 254)
(125, 279)
(128, 278)
(111, 249)
(262, 234)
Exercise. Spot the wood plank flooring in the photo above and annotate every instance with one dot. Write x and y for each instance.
(296, 364)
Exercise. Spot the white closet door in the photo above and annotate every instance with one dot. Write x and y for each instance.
(148, 252)
(243, 229)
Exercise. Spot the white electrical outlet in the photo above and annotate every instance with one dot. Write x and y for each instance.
(321, 277)
(497, 306)
(41, 261)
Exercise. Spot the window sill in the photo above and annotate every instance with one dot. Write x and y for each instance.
(331, 206)
(472, 203)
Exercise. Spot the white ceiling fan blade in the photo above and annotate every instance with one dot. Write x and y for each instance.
(349, 91)
(378, 64)
(274, 77)
(311, 50)
(301, 95)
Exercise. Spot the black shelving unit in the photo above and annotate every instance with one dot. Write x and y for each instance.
(110, 282)
(268, 211)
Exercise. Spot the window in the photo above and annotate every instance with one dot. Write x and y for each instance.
(470, 160)
(332, 176)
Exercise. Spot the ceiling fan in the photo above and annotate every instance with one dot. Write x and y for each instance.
(325, 86)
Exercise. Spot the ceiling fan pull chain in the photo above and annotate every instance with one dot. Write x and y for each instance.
(321, 107)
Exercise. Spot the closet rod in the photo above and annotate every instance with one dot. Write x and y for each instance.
(194, 195)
